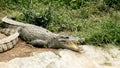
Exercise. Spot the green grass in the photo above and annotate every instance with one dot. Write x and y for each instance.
(109, 32)
(97, 21)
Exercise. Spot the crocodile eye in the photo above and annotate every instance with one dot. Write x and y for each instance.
(64, 37)
(67, 37)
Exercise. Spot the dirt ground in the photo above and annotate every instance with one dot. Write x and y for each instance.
(20, 50)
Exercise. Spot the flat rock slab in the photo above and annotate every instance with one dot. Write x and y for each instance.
(64, 59)
(93, 57)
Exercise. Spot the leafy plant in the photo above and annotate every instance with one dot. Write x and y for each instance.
(40, 18)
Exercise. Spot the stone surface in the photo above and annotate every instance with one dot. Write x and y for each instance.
(93, 57)
(64, 59)
(107, 57)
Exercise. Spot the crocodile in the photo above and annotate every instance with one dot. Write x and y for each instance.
(41, 37)
(9, 42)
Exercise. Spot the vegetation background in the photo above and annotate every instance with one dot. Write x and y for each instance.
(96, 20)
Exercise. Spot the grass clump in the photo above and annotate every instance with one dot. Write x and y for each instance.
(109, 33)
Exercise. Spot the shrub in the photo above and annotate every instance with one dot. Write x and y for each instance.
(33, 14)
(37, 17)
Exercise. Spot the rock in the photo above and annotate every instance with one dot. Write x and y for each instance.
(107, 57)
(93, 57)
(64, 59)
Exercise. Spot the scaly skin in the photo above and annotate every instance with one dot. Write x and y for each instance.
(41, 37)
(10, 41)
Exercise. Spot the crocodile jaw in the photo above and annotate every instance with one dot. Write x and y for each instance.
(71, 46)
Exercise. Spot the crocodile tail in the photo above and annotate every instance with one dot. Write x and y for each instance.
(7, 31)
(8, 42)
(13, 22)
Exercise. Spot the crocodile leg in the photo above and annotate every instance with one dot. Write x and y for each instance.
(39, 43)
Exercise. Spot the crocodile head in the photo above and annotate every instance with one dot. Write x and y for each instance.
(65, 42)
(71, 38)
